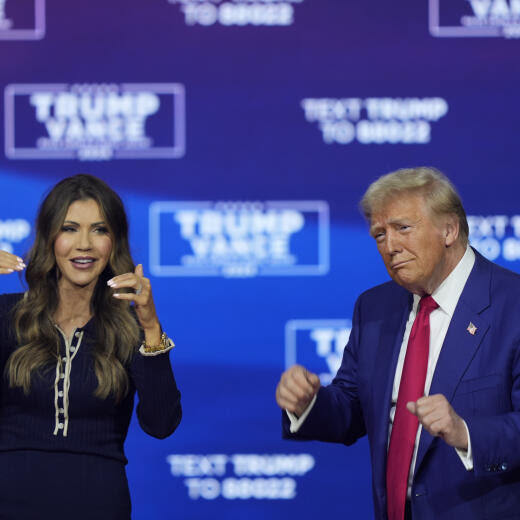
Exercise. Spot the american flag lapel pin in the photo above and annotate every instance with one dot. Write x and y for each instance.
(471, 328)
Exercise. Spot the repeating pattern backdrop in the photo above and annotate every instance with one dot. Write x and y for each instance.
(241, 135)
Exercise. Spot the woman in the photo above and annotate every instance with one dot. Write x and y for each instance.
(73, 353)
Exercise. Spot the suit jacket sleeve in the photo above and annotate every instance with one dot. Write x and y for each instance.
(495, 437)
(336, 415)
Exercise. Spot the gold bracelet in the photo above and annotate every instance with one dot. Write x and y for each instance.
(165, 343)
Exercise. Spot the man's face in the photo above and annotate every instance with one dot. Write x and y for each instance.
(412, 243)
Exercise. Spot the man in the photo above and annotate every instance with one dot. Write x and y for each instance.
(431, 372)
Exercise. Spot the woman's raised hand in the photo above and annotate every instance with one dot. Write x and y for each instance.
(10, 263)
(142, 297)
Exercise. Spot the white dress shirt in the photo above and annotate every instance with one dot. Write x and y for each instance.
(447, 296)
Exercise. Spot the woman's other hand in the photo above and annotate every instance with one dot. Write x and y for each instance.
(10, 263)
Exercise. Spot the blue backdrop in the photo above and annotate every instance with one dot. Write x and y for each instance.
(241, 135)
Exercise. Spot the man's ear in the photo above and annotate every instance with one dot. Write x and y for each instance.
(451, 230)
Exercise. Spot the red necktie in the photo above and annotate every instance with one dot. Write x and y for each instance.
(404, 429)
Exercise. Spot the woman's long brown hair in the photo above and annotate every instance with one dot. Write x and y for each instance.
(117, 332)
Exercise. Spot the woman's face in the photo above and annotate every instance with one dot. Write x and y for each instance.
(83, 246)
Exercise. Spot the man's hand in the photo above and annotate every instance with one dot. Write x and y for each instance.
(296, 389)
(438, 417)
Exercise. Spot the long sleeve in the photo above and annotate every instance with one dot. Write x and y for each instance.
(495, 437)
(159, 408)
(336, 415)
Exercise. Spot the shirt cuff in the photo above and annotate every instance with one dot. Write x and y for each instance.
(296, 422)
(466, 456)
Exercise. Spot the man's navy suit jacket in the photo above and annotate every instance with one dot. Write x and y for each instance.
(478, 373)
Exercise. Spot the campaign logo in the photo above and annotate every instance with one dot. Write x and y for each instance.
(95, 121)
(22, 20)
(13, 232)
(239, 239)
(317, 344)
(245, 476)
(237, 12)
(497, 237)
(375, 120)
(474, 18)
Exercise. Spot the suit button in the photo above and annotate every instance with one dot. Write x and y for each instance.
(504, 466)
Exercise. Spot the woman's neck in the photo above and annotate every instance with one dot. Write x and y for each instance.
(74, 308)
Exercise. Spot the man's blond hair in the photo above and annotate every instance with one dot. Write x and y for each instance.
(438, 192)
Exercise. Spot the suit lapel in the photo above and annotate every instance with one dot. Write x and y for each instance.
(391, 337)
(460, 345)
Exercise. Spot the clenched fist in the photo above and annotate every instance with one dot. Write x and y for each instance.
(296, 389)
(438, 417)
